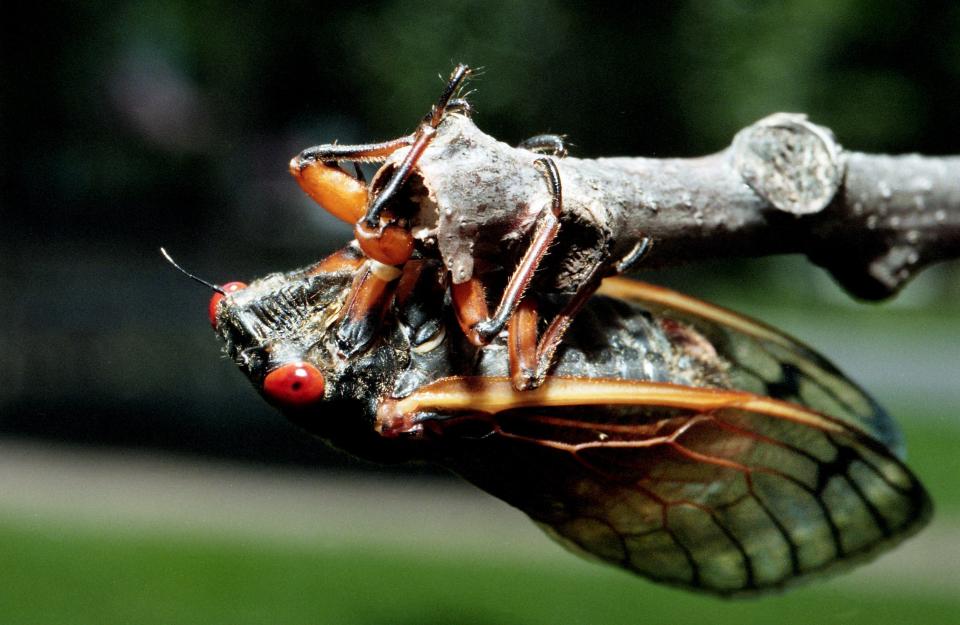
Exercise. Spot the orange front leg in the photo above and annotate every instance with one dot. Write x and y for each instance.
(346, 197)
(342, 195)
(339, 193)
(382, 236)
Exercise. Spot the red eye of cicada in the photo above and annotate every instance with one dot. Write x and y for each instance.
(294, 384)
(229, 287)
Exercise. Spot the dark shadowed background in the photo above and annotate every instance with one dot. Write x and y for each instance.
(127, 126)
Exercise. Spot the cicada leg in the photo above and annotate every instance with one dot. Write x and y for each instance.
(346, 197)
(417, 306)
(481, 329)
(362, 153)
(348, 258)
(529, 358)
(342, 195)
(418, 303)
(365, 306)
(555, 145)
(380, 236)
(368, 298)
(416, 293)
(386, 243)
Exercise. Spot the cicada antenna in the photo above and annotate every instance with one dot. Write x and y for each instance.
(190, 275)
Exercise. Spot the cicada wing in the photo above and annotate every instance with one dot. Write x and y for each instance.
(764, 360)
(730, 496)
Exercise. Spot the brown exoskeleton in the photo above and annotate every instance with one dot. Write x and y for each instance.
(502, 248)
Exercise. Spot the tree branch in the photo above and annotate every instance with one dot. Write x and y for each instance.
(783, 186)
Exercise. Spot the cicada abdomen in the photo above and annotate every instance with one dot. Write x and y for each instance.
(672, 438)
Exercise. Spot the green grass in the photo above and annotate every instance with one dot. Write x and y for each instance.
(55, 574)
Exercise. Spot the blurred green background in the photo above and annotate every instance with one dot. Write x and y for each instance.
(144, 481)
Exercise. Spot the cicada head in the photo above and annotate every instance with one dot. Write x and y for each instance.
(281, 331)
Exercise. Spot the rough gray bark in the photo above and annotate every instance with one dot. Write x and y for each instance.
(784, 186)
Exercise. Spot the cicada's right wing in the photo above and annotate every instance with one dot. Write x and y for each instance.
(715, 490)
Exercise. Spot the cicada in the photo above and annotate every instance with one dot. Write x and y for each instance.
(675, 439)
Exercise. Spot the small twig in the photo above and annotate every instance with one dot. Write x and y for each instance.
(783, 186)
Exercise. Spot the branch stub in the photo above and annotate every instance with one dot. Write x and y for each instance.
(790, 162)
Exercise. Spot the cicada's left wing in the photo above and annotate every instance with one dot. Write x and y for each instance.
(716, 490)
